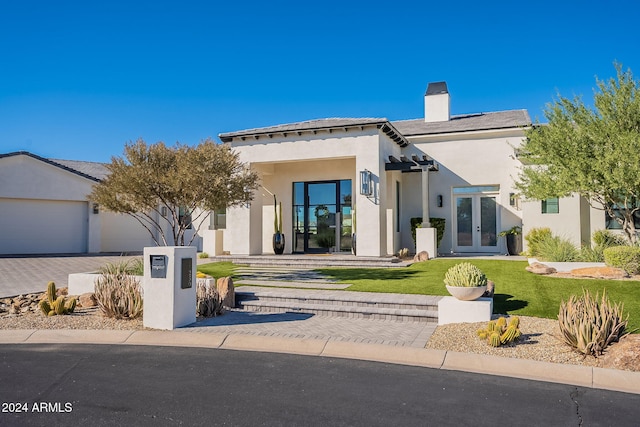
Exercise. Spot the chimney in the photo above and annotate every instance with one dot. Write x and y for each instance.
(437, 104)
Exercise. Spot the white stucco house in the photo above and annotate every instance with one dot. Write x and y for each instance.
(335, 177)
(459, 168)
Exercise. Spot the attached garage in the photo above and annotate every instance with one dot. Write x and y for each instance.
(44, 207)
(29, 226)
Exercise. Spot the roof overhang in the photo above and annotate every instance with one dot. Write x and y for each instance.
(383, 125)
(414, 164)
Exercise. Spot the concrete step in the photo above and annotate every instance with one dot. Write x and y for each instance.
(408, 308)
(312, 261)
(308, 284)
(354, 312)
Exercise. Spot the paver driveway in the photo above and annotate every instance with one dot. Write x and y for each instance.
(23, 275)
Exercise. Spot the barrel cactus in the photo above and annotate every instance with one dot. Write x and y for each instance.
(501, 332)
(465, 275)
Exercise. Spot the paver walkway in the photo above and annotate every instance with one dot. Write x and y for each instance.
(307, 326)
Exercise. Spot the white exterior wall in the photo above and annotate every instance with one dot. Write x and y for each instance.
(465, 159)
(575, 221)
(46, 208)
(326, 155)
(122, 233)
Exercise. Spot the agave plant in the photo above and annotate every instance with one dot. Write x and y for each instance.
(589, 324)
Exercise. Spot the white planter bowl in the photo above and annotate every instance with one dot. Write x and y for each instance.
(467, 294)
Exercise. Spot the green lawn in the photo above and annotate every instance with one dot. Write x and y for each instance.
(217, 269)
(517, 291)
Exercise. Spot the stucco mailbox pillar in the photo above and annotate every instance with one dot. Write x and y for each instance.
(169, 287)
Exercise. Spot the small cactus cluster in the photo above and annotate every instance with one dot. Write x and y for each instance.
(500, 332)
(53, 305)
(465, 274)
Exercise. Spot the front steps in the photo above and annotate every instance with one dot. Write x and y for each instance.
(313, 261)
(355, 305)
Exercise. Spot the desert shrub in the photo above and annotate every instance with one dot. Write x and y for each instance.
(624, 257)
(556, 249)
(534, 237)
(589, 254)
(119, 296)
(606, 239)
(208, 300)
(589, 325)
(131, 266)
(403, 253)
(203, 255)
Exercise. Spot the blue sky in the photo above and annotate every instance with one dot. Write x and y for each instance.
(79, 79)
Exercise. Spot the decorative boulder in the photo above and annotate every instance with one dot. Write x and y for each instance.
(539, 268)
(490, 289)
(421, 256)
(225, 288)
(600, 272)
(87, 300)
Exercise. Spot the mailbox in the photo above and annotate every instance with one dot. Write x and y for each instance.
(158, 266)
(187, 271)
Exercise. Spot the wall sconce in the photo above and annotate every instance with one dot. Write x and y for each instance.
(163, 211)
(439, 200)
(514, 200)
(96, 209)
(366, 187)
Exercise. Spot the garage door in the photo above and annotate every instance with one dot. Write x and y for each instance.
(42, 226)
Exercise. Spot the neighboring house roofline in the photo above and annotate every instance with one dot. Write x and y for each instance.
(314, 126)
(55, 163)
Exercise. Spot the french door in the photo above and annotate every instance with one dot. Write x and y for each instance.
(476, 223)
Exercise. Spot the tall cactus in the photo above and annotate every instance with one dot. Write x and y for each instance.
(53, 305)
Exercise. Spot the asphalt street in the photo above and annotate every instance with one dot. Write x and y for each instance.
(56, 384)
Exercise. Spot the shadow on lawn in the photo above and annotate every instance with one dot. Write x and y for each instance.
(502, 303)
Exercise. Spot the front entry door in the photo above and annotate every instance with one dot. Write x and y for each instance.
(323, 214)
(476, 223)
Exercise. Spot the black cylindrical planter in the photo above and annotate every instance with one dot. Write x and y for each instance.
(514, 244)
(278, 243)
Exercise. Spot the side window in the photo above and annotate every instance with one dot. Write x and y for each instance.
(219, 219)
(184, 218)
(551, 206)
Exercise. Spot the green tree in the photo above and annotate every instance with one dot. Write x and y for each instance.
(591, 151)
(171, 188)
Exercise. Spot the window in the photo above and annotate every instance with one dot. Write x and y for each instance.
(551, 206)
(612, 224)
(218, 220)
(184, 218)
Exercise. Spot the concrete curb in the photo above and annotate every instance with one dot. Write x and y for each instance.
(583, 376)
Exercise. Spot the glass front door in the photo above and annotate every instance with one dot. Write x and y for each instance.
(322, 216)
(476, 223)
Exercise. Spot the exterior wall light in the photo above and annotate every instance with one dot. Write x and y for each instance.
(96, 209)
(366, 187)
(439, 200)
